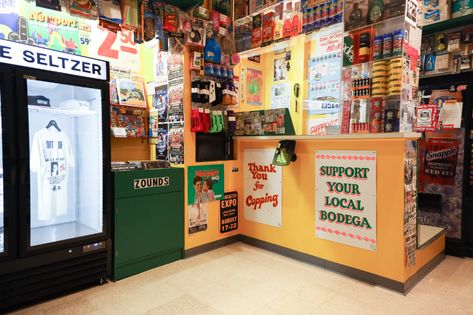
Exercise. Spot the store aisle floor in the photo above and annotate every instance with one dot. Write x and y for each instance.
(240, 279)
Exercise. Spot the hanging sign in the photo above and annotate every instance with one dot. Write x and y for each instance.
(263, 187)
(229, 212)
(345, 203)
(45, 59)
(118, 48)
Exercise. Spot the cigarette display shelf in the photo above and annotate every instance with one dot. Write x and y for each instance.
(466, 20)
(185, 4)
(441, 74)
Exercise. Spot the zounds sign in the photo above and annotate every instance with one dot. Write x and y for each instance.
(150, 182)
(346, 197)
(46, 59)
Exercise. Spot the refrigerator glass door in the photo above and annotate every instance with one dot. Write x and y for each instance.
(66, 167)
(2, 215)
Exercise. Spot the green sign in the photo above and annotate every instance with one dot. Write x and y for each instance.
(205, 183)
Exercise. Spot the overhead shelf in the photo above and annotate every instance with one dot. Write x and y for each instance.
(441, 74)
(448, 24)
(185, 4)
(67, 112)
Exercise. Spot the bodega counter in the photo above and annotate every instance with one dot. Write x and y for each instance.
(348, 203)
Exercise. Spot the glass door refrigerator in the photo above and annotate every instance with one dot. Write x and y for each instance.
(55, 210)
(446, 200)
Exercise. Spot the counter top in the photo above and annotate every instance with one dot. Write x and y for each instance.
(354, 136)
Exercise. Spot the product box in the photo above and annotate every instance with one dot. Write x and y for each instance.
(256, 5)
(356, 14)
(201, 13)
(434, 11)
(278, 20)
(224, 20)
(256, 34)
(287, 24)
(240, 9)
(243, 34)
(268, 27)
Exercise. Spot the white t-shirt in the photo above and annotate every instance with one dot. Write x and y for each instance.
(51, 157)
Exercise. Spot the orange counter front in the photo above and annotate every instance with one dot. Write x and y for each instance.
(387, 266)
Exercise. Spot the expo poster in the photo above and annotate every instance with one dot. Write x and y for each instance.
(254, 89)
(263, 187)
(205, 183)
(345, 202)
(229, 212)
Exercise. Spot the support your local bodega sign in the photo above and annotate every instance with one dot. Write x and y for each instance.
(345, 204)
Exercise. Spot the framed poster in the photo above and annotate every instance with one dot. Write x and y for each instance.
(345, 202)
(131, 93)
(254, 89)
(263, 187)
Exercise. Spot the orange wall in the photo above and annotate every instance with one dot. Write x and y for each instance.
(231, 180)
(298, 194)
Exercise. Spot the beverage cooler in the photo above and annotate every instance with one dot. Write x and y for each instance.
(55, 205)
(446, 181)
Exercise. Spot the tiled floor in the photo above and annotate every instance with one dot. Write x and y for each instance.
(240, 279)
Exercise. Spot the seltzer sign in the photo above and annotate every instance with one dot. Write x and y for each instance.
(263, 187)
(345, 203)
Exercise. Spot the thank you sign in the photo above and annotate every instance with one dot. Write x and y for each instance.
(345, 203)
(263, 187)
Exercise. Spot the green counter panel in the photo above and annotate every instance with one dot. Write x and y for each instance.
(148, 220)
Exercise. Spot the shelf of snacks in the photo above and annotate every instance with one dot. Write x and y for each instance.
(256, 31)
(447, 52)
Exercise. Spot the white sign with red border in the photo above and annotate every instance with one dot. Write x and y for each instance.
(263, 187)
(345, 202)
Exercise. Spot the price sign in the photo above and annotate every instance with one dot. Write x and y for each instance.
(117, 48)
(329, 40)
(85, 30)
(229, 212)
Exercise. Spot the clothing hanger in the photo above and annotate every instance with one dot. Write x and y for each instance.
(53, 123)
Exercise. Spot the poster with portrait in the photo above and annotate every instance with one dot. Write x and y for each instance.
(205, 183)
(197, 216)
(254, 87)
(262, 199)
(280, 69)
